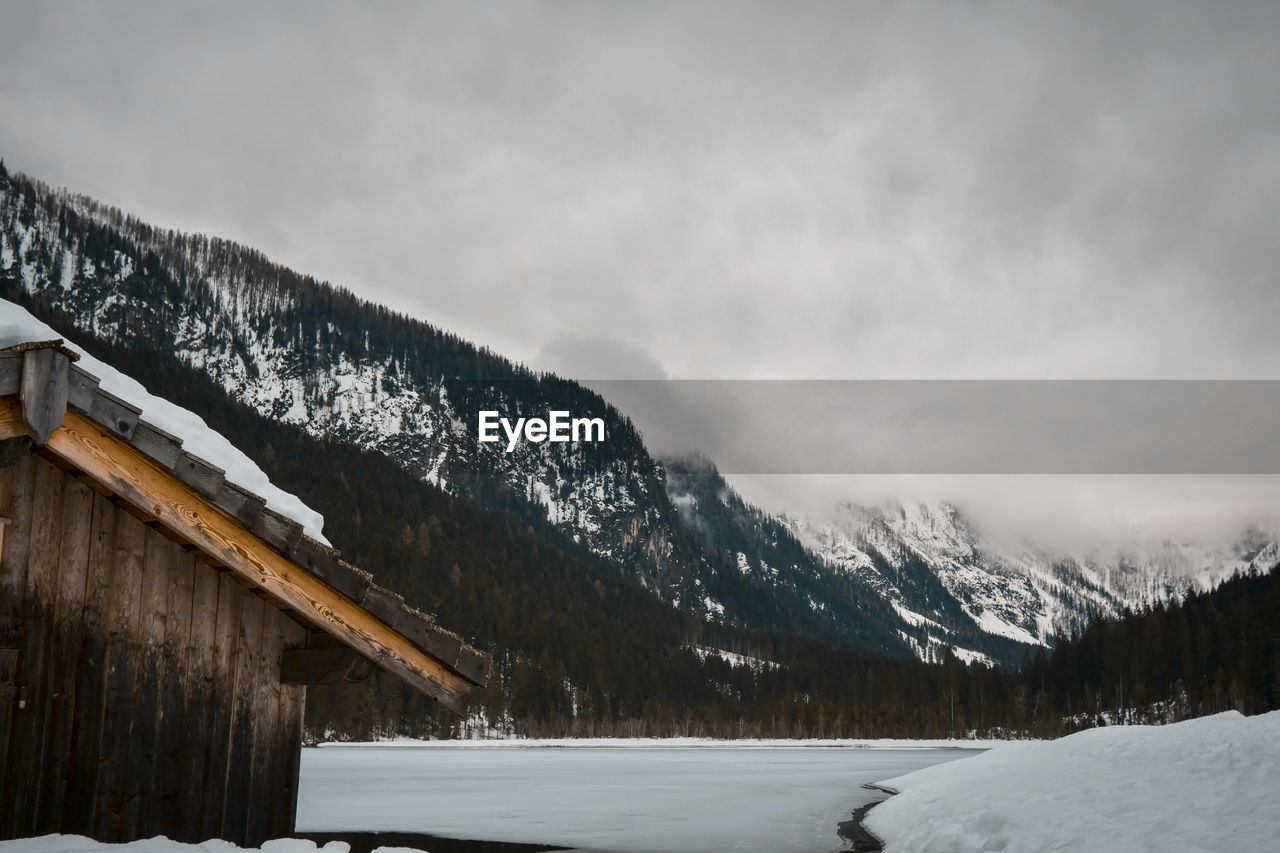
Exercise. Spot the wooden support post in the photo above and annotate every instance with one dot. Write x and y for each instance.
(45, 383)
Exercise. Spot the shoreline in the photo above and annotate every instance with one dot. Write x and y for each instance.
(663, 743)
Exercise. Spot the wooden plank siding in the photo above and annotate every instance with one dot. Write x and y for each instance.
(26, 764)
(151, 677)
(18, 485)
(91, 676)
(71, 577)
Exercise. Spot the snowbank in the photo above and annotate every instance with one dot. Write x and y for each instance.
(17, 326)
(160, 844)
(1206, 784)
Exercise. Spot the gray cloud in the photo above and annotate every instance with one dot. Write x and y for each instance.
(976, 427)
(1063, 513)
(745, 190)
(589, 356)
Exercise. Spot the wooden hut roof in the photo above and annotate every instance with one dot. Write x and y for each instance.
(48, 401)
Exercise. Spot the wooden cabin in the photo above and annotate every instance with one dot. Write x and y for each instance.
(159, 625)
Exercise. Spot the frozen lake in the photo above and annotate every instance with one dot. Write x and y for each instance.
(638, 800)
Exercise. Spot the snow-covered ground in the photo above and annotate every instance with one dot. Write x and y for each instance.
(160, 844)
(673, 800)
(1201, 785)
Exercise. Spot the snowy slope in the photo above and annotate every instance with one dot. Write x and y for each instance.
(1204, 784)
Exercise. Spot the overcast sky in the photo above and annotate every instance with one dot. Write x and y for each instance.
(700, 190)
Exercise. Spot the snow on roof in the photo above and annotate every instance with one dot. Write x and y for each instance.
(18, 326)
(1204, 784)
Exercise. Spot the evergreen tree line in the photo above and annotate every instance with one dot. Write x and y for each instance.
(1211, 652)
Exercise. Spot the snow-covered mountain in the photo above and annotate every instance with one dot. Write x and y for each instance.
(834, 571)
(1020, 591)
(953, 586)
(900, 579)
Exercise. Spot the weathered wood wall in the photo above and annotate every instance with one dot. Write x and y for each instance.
(149, 679)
